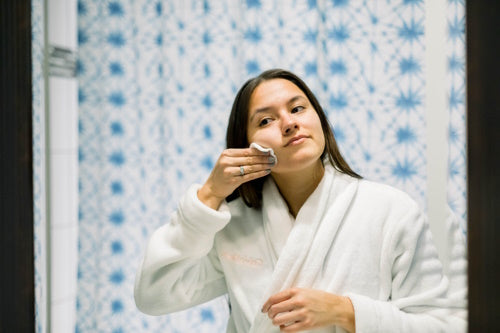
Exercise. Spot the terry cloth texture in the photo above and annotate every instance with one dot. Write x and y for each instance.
(352, 237)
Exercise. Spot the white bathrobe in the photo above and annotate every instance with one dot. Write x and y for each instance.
(351, 237)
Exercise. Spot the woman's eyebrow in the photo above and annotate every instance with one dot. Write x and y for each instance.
(264, 109)
(296, 98)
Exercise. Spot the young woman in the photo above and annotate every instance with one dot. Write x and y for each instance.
(298, 240)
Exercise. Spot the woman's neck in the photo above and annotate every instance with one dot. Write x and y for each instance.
(296, 187)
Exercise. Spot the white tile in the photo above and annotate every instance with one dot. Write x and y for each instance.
(63, 189)
(57, 104)
(71, 24)
(73, 186)
(63, 114)
(56, 22)
(72, 115)
(63, 317)
(62, 23)
(64, 263)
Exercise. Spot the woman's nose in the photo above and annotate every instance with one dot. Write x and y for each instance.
(289, 125)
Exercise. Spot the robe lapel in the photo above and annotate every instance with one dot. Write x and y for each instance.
(278, 221)
(310, 239)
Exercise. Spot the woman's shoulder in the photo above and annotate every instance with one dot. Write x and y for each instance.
(385, 194)
(374, 189)
(395, 210)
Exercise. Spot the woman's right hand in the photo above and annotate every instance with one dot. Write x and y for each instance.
(226, 175)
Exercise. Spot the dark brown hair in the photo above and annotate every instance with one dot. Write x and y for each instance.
(236, 136)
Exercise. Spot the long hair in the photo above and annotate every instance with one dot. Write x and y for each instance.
(236, 135)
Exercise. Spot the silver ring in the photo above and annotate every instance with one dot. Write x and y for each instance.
(242, 171)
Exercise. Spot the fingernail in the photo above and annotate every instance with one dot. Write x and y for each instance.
(268, 170)
(272, 160)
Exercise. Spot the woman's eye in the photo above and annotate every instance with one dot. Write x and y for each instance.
(297, 109)
(264, 121)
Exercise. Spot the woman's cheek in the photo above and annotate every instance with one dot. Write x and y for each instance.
(265, 138)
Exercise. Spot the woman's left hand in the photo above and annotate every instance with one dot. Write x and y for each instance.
(297, 309)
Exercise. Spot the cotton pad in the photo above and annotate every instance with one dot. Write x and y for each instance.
(265, 150)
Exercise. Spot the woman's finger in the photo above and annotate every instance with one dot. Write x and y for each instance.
(254, 175)
(243, 170)
(243, 152)
(277, 298)
(249, 160)
(297, 326)
(245, 156)
(287, 318)
(278, 310)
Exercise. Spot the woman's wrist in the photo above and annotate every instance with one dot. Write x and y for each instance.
(347, 320)
(206, 196)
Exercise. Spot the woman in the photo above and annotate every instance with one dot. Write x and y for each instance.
(299, 241)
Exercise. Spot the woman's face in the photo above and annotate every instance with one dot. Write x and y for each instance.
(281, 117)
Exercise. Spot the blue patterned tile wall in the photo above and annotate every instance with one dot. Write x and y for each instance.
(457, 191)
(157, 79)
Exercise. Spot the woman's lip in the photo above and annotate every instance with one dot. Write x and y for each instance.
(296, 140)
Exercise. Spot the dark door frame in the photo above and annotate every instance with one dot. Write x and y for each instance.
(16, 172)
(483, 151)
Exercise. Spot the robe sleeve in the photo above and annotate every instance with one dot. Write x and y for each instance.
(423, 299)
(180, 268)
